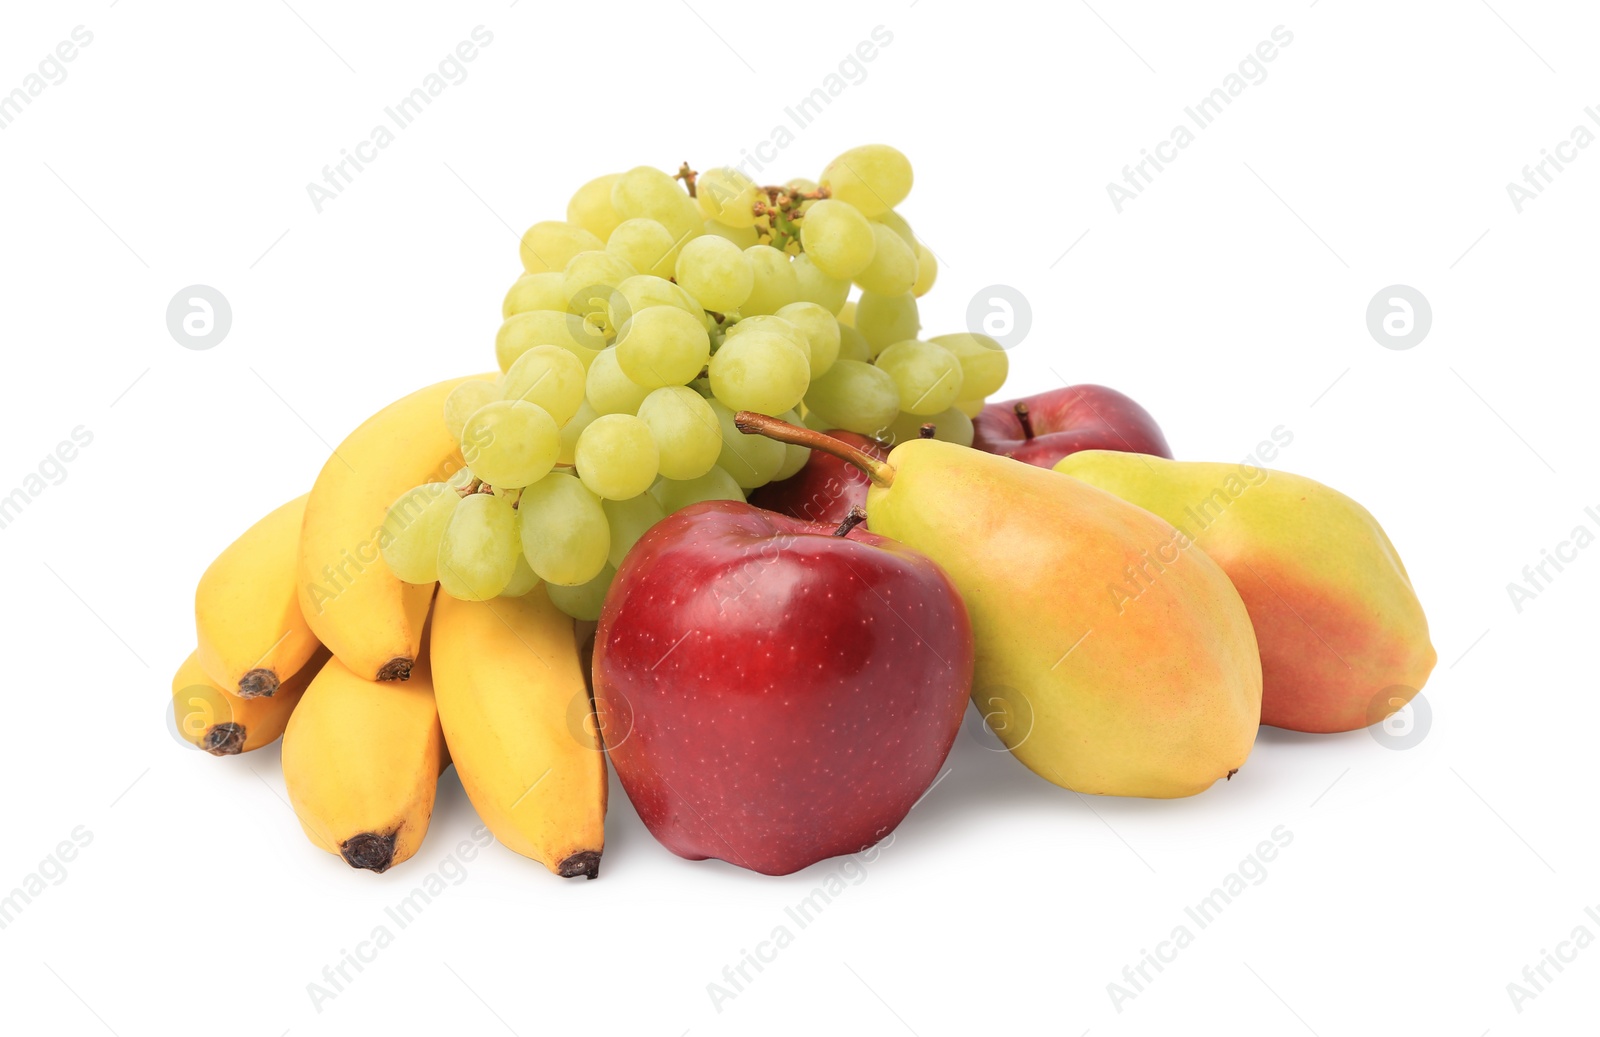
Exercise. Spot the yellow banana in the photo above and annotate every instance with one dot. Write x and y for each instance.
(366, 616)
(517, 717)
(361, 761)
(224, 724)
(252, 635)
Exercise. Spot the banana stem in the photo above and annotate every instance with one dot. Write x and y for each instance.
(751, 423)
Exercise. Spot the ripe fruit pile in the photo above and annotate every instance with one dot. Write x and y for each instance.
(660, 307)
(774, 681)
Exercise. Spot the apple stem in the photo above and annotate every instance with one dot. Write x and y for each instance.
(1021, 411)
(753, 424)
(857, 515)
(926, 431)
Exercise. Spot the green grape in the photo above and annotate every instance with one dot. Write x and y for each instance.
(464, 400)
(852, 344)
(927, 376)
(523, 579)
(564, 530)
(971, 408)
(950, 426)
(478, 552)
(838, 238)
(854, 396)
(648, 193)
(759, 371)
(646, 290)
(886, 319)
(550, 244)
(573, 429)
(535, 292)
(984, 363)
(744, 237)
(794, 457)
(716, 272)
(847, 313)
(801, 184)
(589, 281)
(586, 599)
(873, 177)
(751, 460)
(630, 519)
(893, 268)
(510, 443)
(927, 271)
(590, 207)
(773, 324)
(685, 429)
(522, 331)
(897, 223)
(547, 375)
(663, 345)
(775, 284)
(815, 286)
(717, 484)
(820, 329)
(412, 529)
(609, 390)
(728, 197)
(645, 245)
(616, 458)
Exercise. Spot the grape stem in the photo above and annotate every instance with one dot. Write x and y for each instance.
(687, 175)
(857, 515)
(749, 422)
(926, 431)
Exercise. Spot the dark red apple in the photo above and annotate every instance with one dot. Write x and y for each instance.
(826, 488)
(772, 693)
(1043, 429)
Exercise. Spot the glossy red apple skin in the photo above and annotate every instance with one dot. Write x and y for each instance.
(826, 488)
(1065, 421)
(772, 695)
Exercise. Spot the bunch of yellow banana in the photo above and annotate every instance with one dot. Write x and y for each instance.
(370, 721)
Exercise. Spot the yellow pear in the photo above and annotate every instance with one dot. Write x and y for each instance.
(1156, 697)
(1343, 639)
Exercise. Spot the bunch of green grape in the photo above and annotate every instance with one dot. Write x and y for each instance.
(642, 323)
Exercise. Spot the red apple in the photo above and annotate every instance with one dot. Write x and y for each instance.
(1043, 429)
(826, 488)
(773, 693)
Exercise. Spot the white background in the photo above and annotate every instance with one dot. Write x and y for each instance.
(1229, 299)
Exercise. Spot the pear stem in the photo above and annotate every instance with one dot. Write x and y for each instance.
(753, 424)
(1021, 410)
(857, 515)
